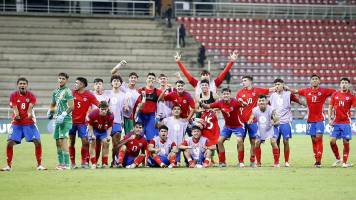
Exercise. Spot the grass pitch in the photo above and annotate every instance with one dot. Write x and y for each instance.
(300, 181)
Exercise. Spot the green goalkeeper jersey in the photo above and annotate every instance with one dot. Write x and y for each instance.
(60, 97)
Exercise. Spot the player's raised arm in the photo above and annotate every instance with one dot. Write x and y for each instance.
(190, 78)
(233, 58)
(115, 70)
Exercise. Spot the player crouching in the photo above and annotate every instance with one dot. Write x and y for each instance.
(100, 125)
(132, 148)
(162, 150)
(197, 149)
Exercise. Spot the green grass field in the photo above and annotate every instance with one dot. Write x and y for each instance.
(300, 181)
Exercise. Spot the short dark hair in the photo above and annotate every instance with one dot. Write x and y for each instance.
(315, 75)
(97, 80)
(180, 82)
(262, 96)
(278, 80)
(163, 127)
(248, 77)
(133, 74)
(345, 79)
(195, 127)
(151, 74)
(103, 104)
(22, 79)
(162, 75)
(118, 77)
(204, 81)
(64, 75)
(83, 80)
(204, 72)
(176, 105)
(226, 90)
(139, 123)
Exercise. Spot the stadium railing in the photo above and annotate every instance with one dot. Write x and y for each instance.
(293, 11)
(105, 8)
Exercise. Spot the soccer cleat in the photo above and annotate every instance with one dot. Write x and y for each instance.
(198, 166)
(317, 165)
(163, 165)
(41, 168)
(59, 167)
(85, 166)
(119, 166)
(93, 166)
(132, 166)
(73, 166)
(172, 165)
(286, 164)
(221, 165)
(346, 165)
(276, 165)
(6, 169)
(336, 163)
(241, 165)
(104, 166)
(66, 168)
(258, 165)
(253, 165)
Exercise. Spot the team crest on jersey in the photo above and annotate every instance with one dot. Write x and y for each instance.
(131, 142)
(347, 98)
(336, 97)
(85, 99)
(309, 94)
(96, 121)
(319, 93)
(27, 100)
(243, 95)
(253, 94)
(184, 101)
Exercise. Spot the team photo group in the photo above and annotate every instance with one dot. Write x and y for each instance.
(166, 126)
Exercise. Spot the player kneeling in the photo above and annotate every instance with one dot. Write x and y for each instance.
(132, 148)
(162, 150)
(266, 119)
(100, 125)
(197, 149)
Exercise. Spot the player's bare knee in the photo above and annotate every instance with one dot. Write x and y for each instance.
(345, 141)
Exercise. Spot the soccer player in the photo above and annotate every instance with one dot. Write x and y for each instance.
(164, 108)
(339, 118)
(281, 102)
(206, 74)
(176, 126)
(315, 98)
(266, 120)
(100, 125)
(99, 92)
(249, 94)
(162, 150)
(23, 125)
(146, 105)
(132, 148)
(117, 101)
(180, 97)
(61, 109)
(83, 100)
(197, 149)
(230, 108)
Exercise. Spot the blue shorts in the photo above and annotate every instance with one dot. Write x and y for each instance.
(128, 160)
(251, 129)
(29, 132)
(226, 132)
(116, 129)
(149, 128)
(284, 130)
(314, 128)
(100, 135)
(341, 131)
(152, 163)
(81, 129)
(200, 161)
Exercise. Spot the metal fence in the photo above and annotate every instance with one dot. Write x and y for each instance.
(80, 7)
(293, 11)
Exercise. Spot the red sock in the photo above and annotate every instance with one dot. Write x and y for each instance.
(121, 156)
(258, 154)
(72, 154)
(252, 158)
(172, 159)
(9, 155)
(206, 162)
(139, 159)
(93, 160)
(319, 148)
(104, 160)
(335, 150)
(158, 160)
(85, 155)
(346, 152)
(222, 158)
(276, 155)
(114, 154)
(97, 150)
(241, 155)
(38, 153)
(315, 147)
(286, 156)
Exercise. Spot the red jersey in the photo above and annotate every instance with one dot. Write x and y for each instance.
(342, 102)
(151, 100)
(82, 103)
(250, 97)
(22, 103)
(101, 123)
(315, 99)
(185, 101)
(135, 146)
(230, 111)
(211, 129)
